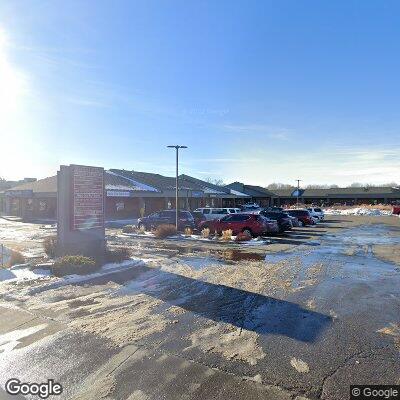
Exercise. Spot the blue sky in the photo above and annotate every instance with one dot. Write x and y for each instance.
(260, 91)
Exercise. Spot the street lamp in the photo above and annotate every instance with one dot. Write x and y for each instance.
(177, 147)
(298, 192)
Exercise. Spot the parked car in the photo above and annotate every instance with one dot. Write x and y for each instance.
(198, 217)
(283, 219)
(317, 213)
(215, 213)
(276, 209)
(396, 209)
(185, 219)
(302, 215)
(295, 221)
(253, 224)
(250, 207)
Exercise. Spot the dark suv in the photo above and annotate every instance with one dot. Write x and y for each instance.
(185, 219)
(283, 219)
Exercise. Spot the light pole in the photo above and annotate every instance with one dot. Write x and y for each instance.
(177, 147)
(298, 192)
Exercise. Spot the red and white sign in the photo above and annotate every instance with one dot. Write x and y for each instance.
(87, 197)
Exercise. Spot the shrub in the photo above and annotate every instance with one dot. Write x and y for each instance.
(16, 258)
(117, 255)
(243, 237)
(205, 233)
(68, 265)
(227, 235)
(128, 229)
(164, 231)
(188, 231)
(50, 246)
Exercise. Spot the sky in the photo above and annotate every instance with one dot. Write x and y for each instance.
(259, 91)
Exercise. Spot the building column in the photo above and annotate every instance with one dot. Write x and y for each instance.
(23, 203)
(8, 205)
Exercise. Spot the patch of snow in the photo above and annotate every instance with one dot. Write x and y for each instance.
(299, 365)
(104, 270)
(21, 272)
(256, 242)
(357, 211)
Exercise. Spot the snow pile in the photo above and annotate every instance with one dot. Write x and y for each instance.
(357, 211)
(21, 273)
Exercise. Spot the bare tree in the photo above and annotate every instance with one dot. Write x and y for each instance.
(277, 185)
(215, 181)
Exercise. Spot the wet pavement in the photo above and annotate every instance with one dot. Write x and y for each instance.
(305, 315)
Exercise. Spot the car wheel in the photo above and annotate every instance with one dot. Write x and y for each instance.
(247, 231)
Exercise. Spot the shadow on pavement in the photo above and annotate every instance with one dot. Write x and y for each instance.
(241, 308)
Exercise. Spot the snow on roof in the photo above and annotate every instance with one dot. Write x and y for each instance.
(139, 186)
(237, 193)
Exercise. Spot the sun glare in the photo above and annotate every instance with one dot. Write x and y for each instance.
(12, 82)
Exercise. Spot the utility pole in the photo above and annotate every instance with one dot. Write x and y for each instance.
(177, 147)
(298, 192)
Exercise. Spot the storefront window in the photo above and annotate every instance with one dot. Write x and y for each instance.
(42, 206)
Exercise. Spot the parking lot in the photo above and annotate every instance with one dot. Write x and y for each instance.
(303, 315)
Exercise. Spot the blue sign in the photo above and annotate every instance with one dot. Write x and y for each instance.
(197, 193)
(298, 193)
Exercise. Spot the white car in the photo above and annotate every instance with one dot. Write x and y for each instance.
(316, 213)
(215, 213)
(251, 207)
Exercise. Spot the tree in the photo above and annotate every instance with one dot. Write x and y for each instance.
(215, 181)
(277, 185)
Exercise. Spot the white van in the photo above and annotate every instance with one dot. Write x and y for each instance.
(215, 213)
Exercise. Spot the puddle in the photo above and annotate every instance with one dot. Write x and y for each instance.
(195, 251)
(201, 262)
(216, 258)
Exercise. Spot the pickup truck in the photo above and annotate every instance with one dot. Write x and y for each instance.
(396, 209)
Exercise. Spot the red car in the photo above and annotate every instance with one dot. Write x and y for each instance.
(255, 225)
(199, 217)
(303, 216)
(396, 209)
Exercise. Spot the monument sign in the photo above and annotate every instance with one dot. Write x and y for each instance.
(80, 211)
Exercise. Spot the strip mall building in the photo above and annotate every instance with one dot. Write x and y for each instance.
(128, 193)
